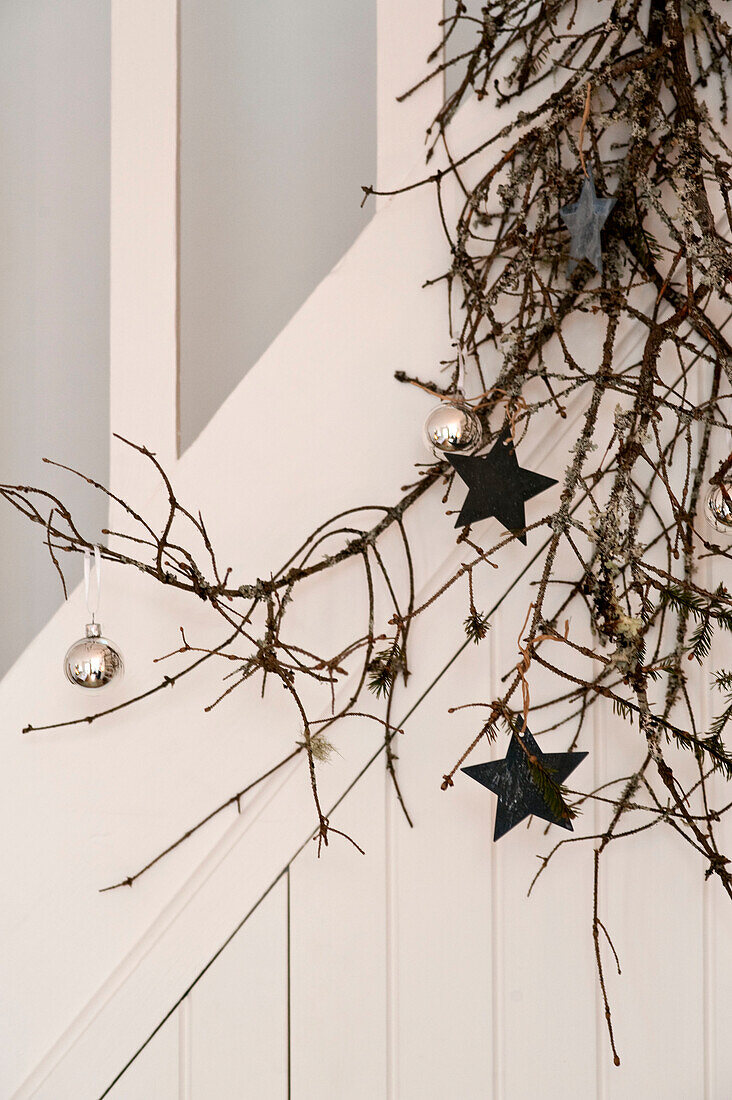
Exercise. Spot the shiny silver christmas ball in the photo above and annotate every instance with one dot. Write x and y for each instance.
(93, 662)
(719, 508)
(452, 427)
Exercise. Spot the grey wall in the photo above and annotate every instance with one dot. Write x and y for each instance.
(278, 133)
(54, 283)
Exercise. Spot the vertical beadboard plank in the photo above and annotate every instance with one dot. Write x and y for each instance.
(238, 1012)
(338, 956)
(391, 900)
(154, 1073)
(497, 944)
(718, 914)
(698, 911)
(717, 909)
(547, 996)
(442, 919)
(651, 903)
(478, 970)
(599, 822)
(704, 708)
(661, 916)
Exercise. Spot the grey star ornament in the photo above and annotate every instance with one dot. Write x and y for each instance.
(518, 795)
(584, 219)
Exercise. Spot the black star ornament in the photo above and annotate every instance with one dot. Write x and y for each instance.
(518, 795)
(498, 486)
(584, 219)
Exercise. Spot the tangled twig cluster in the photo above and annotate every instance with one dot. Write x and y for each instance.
(630, 90)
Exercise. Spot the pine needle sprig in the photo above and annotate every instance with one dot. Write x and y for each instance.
(551, 791)
(723, 681)
(476, 626)
(383, 669)
(622, 709)
(712, 746)
(700, 642)
(708, 613)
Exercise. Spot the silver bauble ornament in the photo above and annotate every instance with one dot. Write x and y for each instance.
(452, 427)
(719, 508)
(93, 661)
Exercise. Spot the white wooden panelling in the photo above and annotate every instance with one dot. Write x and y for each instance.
(652, 903)
(546, 1004)
(154, 1075)
(338, 956)
(718, 964)
(512, 1005)
(441, 918)
(464, 935)
(185, 937)
(237, 1023)
(164, 968)
(717, 960)
(102, 788)
(652, 907)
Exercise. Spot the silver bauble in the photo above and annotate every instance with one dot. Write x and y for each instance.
(93, 661)
(719, 508)
(451, 427)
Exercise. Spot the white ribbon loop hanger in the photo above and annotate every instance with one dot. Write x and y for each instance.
(92, 581)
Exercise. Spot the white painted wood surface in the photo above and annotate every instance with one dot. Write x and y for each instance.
(157, 1071)
(418, 971)
(339, 1011)
(237, 1015)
